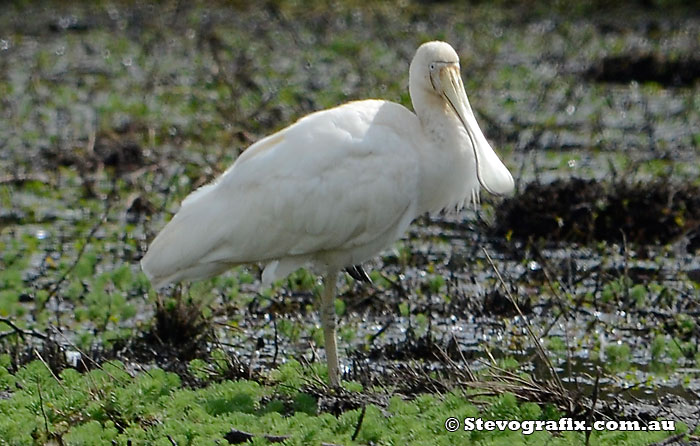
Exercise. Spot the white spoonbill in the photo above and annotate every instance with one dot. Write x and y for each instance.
(335, 188)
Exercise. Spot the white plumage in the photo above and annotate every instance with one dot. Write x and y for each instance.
(311, 192)
(336, 187)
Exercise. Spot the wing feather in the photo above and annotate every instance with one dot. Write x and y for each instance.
(336, 180)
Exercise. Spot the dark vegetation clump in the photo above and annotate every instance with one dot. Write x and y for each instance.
(180, 333)
(579, 210)
(118, 149)
(641, 68)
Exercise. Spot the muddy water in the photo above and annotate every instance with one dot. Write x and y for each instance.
(472, 308)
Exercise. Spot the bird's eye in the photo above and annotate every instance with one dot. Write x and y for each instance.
(432, 66)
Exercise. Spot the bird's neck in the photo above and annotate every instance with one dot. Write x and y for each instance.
(448, 169)
(440, 123)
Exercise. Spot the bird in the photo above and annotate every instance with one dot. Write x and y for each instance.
(336, 188)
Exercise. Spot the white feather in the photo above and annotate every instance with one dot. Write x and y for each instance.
(331, 189)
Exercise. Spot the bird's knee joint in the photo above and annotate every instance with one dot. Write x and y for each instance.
(330, 319)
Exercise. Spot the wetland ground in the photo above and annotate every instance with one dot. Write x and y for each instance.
(112, 112)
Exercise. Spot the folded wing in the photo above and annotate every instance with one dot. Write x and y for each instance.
(338, 181)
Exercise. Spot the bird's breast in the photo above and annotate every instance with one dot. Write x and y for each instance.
(448, 168)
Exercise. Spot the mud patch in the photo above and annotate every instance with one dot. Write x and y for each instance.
(646, 68)
(119, 149)
(578, 210)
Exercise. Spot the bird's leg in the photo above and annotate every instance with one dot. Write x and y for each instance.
(328, 322)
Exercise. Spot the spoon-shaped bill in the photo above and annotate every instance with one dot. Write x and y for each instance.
(492, 174)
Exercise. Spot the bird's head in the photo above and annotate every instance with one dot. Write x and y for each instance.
(435, 77)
